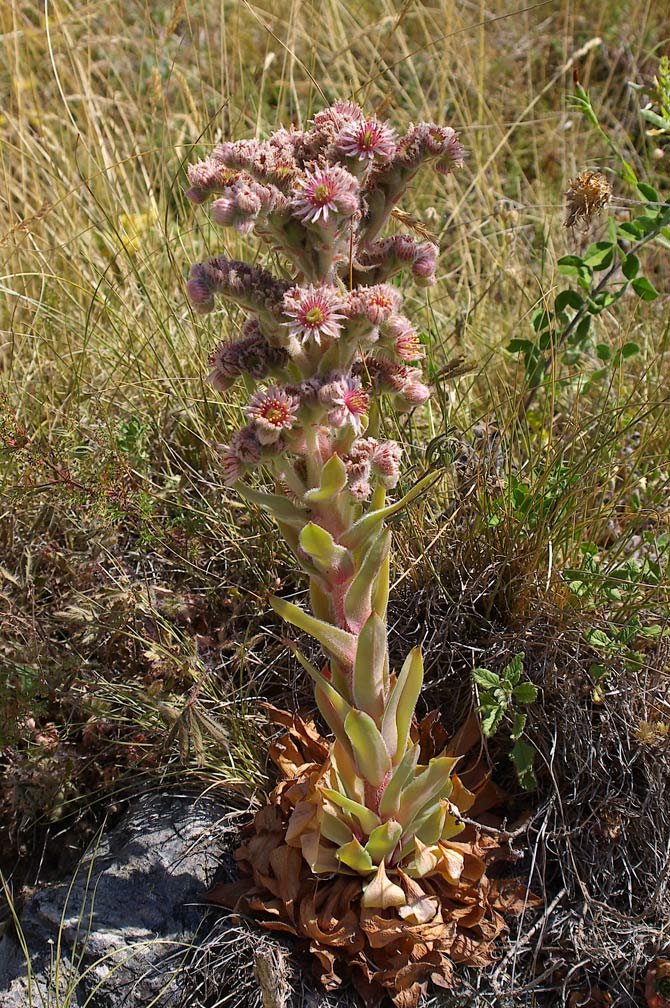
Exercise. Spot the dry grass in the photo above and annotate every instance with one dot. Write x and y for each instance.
(132, 579)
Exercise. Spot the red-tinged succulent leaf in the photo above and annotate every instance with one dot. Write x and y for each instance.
(333, 479)
(334, 828)
(356, 857)
(383, 840)
(358, 600)
(428, 787)
(390, 801)
(362, 529)
(367, 819)
(340, 644)
(319, 544)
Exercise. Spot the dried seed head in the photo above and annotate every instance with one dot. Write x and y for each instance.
(588, 194)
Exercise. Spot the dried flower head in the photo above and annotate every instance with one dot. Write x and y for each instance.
(587, 195)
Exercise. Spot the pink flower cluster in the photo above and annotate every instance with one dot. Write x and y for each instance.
(342, 176)
(318, 347)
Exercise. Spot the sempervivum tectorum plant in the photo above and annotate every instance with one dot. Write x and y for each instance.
(319, 350)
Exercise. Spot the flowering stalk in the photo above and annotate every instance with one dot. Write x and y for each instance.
(319, 351)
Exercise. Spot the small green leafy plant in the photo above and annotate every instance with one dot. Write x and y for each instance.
(599, 581)
(563, 328)
(498, 696)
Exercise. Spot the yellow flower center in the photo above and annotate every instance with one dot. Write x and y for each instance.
(321, 193)
(275, 413)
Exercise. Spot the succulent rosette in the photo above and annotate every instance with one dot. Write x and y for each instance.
(320, 350)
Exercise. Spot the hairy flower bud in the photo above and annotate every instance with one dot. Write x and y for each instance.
(207, 177)
(248, 285)
(385, 462)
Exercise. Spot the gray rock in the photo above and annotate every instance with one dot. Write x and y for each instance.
(118, 934)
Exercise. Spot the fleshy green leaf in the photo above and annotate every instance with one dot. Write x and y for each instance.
(370, 752)
(366, 817)
(329, 700)
(280, 507)
(390, 802)
(339, 643)
(358, 601)
(371, 658)
(348, 781)
(380, 594)
(365, 526)
(334, 710)
(333, 480)
(355, 856)
(427, 787)
(401, 704)
(334, 829)
(383, 840)
(428, 827)
(320, 546)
